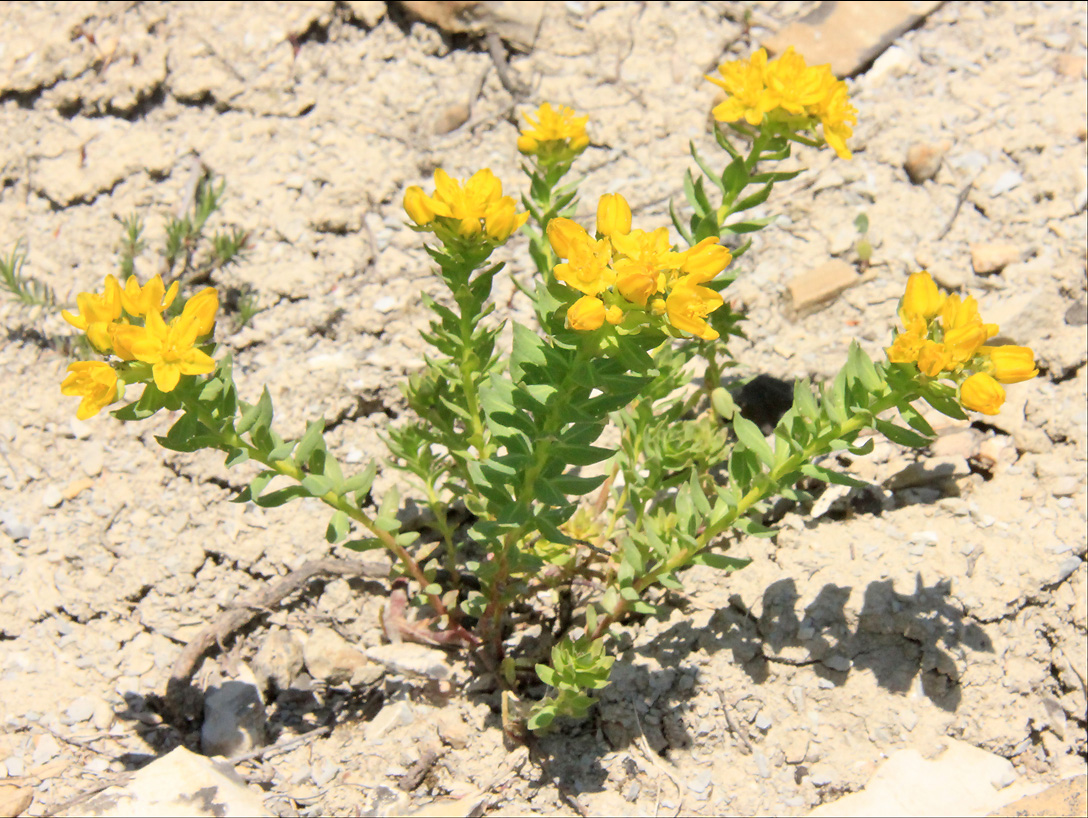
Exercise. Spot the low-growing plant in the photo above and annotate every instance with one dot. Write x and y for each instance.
(568, 527)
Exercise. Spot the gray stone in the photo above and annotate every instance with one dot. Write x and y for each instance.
(13, 525)
(701, 782)
(234, 717)
(1009, 180)
(179, 783)
(1067, 567)
(324, 774)
(924, 160)
(1065, 486)
(839, 663)
(763, 722)
(762, 765)
(930, 538)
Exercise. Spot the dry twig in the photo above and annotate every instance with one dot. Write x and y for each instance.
(182, 701)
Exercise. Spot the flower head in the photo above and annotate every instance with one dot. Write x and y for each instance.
(96, 313)
(788, 95)
(556, 135)
(588, 267)
(456, 211)
(152, 297)
(945, 337)
(95, 382)
(586, 314)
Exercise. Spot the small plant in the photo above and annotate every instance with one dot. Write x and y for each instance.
(863, 247)
(565, 531)
(27, 290)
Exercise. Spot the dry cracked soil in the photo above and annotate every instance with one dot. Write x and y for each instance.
(947, 600)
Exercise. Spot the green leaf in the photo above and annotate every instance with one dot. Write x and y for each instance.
(282, 451)
(720, 561)
(723, 403)
(705, 168)
(309, 441)
(366, 544)
(754, 200)
(831, 476)
(316, 485)
(541, 719)
(278, 498)
(863, 369)
(258, 415)
(236, 457)
(362, 481)
(546, 675)
(904, 437)
(915, 420)
(748, 434)
(339, 525)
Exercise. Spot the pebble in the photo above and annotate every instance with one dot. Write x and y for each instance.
(632, 792)
(13, 525)
(452, 730)
(234, 717)
(797, 748)
(278, 660)
(820, 779)
(929, 538)
(701, 782)
(451, 118)
(762, 764)
(328, 656)
(52, 497)
(15, 766)
(909, 719)
(1066, 568)
(1065, 486)
(924, 160)
(325, 773)
(839, 663)
(763, 722)
(993, 258)
(825, 684)
(412, 659)
(813, 288)
(393, 715)
(385, 304)
(82, 709)
(1009, 180)
(1077, 315)
(45, 750)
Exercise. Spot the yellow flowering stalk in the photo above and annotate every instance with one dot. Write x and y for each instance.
(555, 136)
(787, 96)
(475, 210)
(635, 276)
(944, 336)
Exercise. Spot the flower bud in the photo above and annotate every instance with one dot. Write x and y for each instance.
(636, 287)
(933, 359)
(418, 206)
(1011, 364)
(613, 315)
(981, 393)
(565, 235)
(613, 215)
(587, 313)
(921, 297)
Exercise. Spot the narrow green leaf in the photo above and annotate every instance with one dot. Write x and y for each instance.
(904, 437)
(339, 525)
(309, 441)
(748, 434)
(831, 476)
(316, 485)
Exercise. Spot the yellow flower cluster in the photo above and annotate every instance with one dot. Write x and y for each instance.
(476, 208)
(110, 322)
(627, 275)
(944, 336)
(787, 91)
(556, 135)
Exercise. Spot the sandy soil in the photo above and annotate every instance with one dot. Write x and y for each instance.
(946, 601)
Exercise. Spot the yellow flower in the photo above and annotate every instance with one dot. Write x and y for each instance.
(96, 313)
(474, 207)
(922, 298)
(796, 87)
(553, 126)
(744, 81)
(564, 235)
(962, 343)
(613, 215)
(636, 286)
(688, 307)
(705, 260)
(588, 270)
(649, 253)
(981, 393)
(152, 297)
(933, 359)
(170, 348)
(1011, 364)
(836, 116)
(908, 344)
(421, 208)
(95, 382)
(613, 315)
(587, 313)
(500, 220)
